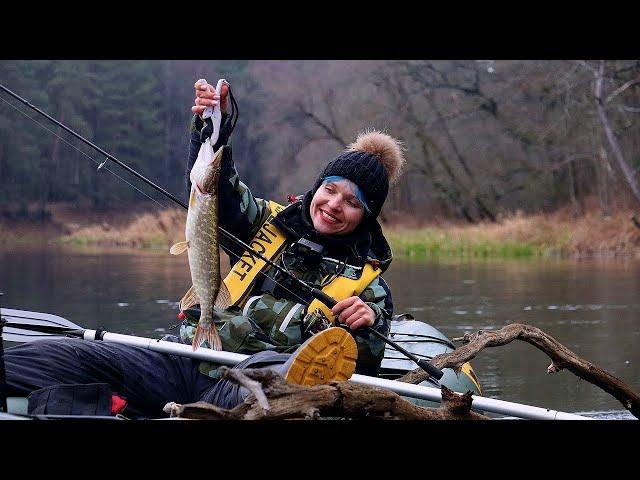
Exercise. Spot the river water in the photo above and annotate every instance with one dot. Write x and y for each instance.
(590, 306)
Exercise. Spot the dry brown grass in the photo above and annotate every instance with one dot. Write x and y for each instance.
(540, 234)
(558, 233)
(615, 235)
(158, 230)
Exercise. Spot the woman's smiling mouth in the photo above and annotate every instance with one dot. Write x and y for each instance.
(326, 216)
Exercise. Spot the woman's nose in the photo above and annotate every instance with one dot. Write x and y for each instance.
(334, 202)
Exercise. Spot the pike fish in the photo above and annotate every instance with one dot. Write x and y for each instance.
(201, 244)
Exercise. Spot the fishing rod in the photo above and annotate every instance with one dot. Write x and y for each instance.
(227, 234)
(314, 292)
(80, 137)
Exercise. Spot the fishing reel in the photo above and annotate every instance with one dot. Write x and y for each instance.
(314, 322)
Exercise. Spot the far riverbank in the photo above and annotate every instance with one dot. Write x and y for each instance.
(517, 236)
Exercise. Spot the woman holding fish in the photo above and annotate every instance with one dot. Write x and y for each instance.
(327, 237)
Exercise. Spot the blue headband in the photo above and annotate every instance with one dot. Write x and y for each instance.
(357, 192)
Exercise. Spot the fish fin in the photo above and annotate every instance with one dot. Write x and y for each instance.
(210, 335)
(189, 299)
(223, 300)
(179, 248)
(214, 338)
(199, 337)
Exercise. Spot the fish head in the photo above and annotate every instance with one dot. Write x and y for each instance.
(211, 174)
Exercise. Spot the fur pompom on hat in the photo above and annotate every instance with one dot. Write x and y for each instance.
(372, 162)
(385, 148)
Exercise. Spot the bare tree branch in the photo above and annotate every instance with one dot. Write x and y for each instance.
(561, 356)
(309, 115)
(621, 89)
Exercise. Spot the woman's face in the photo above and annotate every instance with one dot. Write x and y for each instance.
(335, 210)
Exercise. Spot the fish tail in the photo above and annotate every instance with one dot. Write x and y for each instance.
(199, 337)
(210, 335)
(214, 338)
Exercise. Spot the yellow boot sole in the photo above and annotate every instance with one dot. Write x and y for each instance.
(328, 356)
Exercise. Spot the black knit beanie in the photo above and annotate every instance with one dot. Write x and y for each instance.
(366, 171)
(373, 162)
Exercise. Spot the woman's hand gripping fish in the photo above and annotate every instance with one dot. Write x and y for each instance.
(201, 243)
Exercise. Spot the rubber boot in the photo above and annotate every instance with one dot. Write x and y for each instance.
(328, 356)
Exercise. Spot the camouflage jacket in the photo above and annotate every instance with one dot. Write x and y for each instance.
(272, 317)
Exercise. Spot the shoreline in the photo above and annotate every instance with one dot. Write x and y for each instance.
(518, 236)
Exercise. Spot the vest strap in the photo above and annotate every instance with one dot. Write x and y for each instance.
(268, 242)
(342, 288)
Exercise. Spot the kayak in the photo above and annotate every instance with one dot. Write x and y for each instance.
(419, 338)
(425, 342)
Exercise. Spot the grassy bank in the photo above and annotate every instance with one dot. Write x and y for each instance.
(431, 242)
(523, 236)
(519, 236)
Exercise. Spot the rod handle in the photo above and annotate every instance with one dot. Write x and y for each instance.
(430, 369)
(422, 363)
(323, 297)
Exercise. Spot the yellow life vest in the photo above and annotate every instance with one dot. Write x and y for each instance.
(270, 242)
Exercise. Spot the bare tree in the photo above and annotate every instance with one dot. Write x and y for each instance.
(601, 104)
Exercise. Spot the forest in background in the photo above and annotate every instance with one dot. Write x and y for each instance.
(484, 139)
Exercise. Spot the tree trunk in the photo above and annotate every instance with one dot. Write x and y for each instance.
(627, 170)
(602, 172)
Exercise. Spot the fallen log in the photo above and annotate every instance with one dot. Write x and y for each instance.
(331, 400)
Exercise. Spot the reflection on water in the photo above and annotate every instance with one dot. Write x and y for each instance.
(591, 307)
(132, 292)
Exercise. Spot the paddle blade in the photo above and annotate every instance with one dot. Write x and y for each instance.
(21, 335)
(24, 326)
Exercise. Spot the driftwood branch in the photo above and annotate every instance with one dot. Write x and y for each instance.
(274, 399)
(334, 400)
(561, 357)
